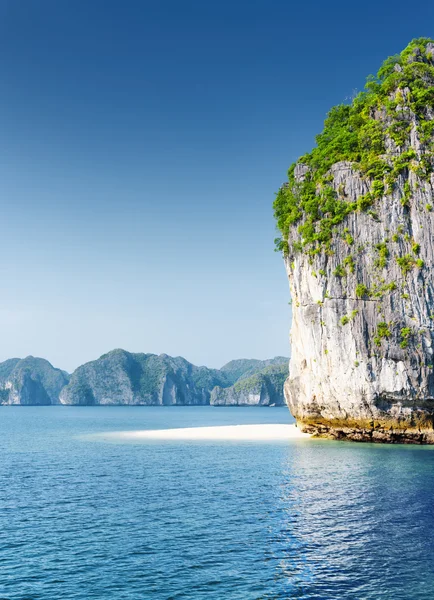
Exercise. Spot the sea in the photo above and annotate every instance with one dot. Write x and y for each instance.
(84, 516)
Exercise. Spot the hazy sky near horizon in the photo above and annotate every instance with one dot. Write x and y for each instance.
(141, 145)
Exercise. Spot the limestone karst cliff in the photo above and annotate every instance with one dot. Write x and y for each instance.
(30, 381)
(263, 388)
(125, 378)
(241, 368)
(357, 224)
(121, 377)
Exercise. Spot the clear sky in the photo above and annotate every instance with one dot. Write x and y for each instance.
(141, 145)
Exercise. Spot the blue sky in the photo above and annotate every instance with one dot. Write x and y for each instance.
(141, 145)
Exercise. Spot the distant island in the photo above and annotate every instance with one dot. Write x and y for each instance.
(125, 378)
(356, 218)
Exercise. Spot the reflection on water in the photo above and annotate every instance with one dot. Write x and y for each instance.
(356, 522)
(217, 520)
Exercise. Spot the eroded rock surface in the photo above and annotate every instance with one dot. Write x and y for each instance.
(358, 242)
(122, 377)
(264, 388)
(125, 378)
(30, 381)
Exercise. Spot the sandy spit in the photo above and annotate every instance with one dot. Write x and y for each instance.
(267, 431)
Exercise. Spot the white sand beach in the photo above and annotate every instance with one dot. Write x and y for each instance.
(267, 431)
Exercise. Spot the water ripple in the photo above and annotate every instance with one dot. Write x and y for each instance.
(257, 521)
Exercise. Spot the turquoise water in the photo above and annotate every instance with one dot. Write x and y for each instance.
(85, 519)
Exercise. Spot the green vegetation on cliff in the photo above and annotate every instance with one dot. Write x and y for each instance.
(358, 207)
(264, 387)
(30, 380)
(243, 368)
(358, 133)
(121, 377)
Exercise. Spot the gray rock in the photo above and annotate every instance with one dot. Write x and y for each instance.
(30, 381)
(362, 367)
(124, 378)
(121, 377)
(301, 171)
(264, 388)
(337, 371)
(246, 367)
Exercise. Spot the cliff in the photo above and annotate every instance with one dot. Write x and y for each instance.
(121, 377)
(125, 378)
(264, 388)
(245, 367)
(357, 222)
(30, 381)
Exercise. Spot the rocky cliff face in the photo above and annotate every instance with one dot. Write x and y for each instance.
(30, 381)
(357, 222)
(121, 377)
(242, 368)
(125, 378)
(264, 388)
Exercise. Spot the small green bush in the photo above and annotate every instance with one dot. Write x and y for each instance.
(361, 290)
(405, 335)
(349, 262)
(383, 332)
(383, 254)
(406, 263)
(339, 271)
